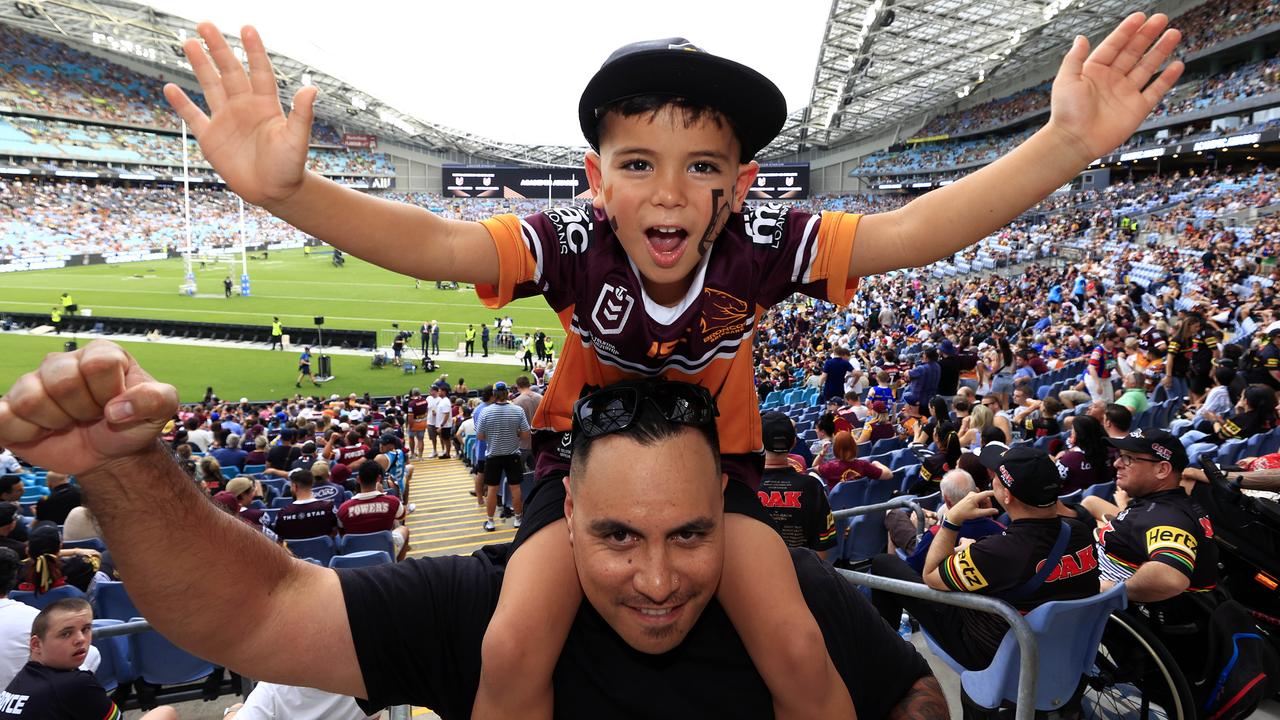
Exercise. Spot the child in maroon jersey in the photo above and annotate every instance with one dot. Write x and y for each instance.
(635, 279)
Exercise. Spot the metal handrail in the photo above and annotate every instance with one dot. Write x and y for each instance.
(1027, 642)
(904, 501)
(399, 712)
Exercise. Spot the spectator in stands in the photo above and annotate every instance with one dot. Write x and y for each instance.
(54, 685)
(526, 398)
(878, 426)
(9, 523)
(198, 437)
(951, 365)
(11, 489)
(244, 490)
(63, 495)
(834, 371)
(504, 429)
(1101, 366)
(269, 701)
(1217, 403)
(1016, 565)
(796, 502)
(80, 525)
(281, 456)
(306, 456)
(1085, 457)
(1116, 420)
(924, 379)
(955, 486)
(323, 487)
(1266, 368)
(999, 418)
(49, 566)
(1134, 396)
(257, 456)
(372, 510)
(397, 472)
(846, 465)
(231, 455)
(209, 475)
(307, 516)
(8, 463)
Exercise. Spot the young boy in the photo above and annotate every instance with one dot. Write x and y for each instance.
(663, 274)
(51, 686)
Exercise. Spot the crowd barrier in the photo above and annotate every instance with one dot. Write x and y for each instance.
(96, 324)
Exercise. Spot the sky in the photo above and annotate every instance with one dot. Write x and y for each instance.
(513, 70)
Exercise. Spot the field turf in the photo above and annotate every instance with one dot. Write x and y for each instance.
(291, 285)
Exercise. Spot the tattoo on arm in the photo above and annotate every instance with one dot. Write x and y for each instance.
(924, 701)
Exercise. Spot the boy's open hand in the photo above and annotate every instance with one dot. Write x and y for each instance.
(259, 152)
(80, 410)
(1100, 97)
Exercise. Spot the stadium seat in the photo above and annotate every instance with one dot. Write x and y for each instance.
(43, 599)
(116, 666)
(113, 601)
(230, 472)
(254, 469)
(867, 537)
(365, 542)
(1106, 491)
(279, 502)
(321, 548)
(1068, 633)
(363, 558)
(159, 662)
(91, 543)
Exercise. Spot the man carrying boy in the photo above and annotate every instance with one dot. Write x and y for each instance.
(663, 274)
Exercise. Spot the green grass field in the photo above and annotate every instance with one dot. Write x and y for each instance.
(290, 285)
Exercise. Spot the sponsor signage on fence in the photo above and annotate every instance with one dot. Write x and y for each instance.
(780, 182)
(514, 182)
(354, 140)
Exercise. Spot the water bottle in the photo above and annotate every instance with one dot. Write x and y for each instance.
(904, 627)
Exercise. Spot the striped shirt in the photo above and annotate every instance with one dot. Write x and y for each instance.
(501, 426)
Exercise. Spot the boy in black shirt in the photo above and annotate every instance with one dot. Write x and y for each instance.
(51, 686)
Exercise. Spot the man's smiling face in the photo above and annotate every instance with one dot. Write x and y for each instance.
(646, 524)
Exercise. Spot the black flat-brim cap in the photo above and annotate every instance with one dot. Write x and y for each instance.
(675, 67)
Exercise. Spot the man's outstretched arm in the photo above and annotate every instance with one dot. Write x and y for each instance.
(204, 579)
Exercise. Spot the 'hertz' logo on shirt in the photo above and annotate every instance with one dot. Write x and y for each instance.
(1169, 537)
(967, 572)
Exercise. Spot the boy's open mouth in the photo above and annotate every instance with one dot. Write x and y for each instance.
(666, 244)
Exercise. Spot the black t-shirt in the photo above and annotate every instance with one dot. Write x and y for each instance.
(797, 505)
(1166, 527)
(598, 675)
(1243, 425)
(282, 457)
(951, 367)
(1268, 361)
(43, 693)
(999, 564)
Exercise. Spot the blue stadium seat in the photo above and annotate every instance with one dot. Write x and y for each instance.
(42, 600)
(160, 662)
(117, 658)
(364, 542)
(114, 602)
(230, 472)
(279, 502)
(321, 548)
(1068, 633)
(254, 469)
(1106, 491)
(867, 537)
(363, 558)
(91, 543)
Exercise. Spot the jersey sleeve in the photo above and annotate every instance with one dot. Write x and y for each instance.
(976, 569)
(1271, 360)
(80, 694)
(1172, 546)
(535, 255)
(798, 252)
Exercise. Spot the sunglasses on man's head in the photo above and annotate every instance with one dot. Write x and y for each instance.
(617, 407)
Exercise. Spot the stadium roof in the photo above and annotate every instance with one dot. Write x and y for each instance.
(885, 61)
(881, 62)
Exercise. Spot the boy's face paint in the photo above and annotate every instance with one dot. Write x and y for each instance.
(667, 189)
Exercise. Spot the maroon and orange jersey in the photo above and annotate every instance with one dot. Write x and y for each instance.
(616, 332)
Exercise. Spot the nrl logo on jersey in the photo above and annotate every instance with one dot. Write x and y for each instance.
(765, 224)
(612, 309)
(573, 228)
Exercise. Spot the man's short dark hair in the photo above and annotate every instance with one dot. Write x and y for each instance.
(827, 424)
(7, 482)
(10, 563)
(369, 473)
(649, 428)
(1119, 416)
(992, 434)
(931, 354)
(522, 382)
(40, 626)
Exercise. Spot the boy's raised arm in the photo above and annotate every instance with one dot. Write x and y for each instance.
(1098, 100)
(262, 155)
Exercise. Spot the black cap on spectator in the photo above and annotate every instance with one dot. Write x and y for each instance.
(1160, 443)
(1029, 474)
(778, 432)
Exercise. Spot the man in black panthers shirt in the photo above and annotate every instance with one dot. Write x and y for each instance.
(52, 686)
(795, 502)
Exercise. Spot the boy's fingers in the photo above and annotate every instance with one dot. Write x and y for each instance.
(1114, 43)
(1155, 57)
(206, 73)
(1139, 44)
(302, 111)
(261, 76)
(1073, 62)
(234, 81)
(1163, 84)
(187, 110)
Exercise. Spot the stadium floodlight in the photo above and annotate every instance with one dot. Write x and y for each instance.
(396, 121)
(306, 79)
(359, 103)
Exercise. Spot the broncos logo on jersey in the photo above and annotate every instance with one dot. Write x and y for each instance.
(722, 314)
